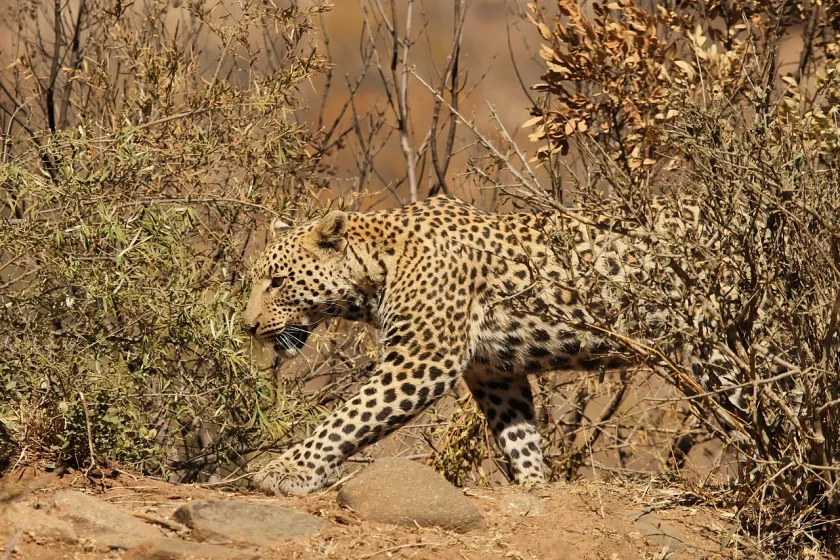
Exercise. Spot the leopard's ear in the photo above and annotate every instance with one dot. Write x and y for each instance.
(278, 225)
(331, 230)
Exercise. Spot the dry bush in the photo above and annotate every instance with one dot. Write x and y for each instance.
(380, 112)
(686, 103)
(775, 206)
(460, 443)
(612, 77)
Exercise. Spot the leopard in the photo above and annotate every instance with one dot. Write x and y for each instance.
(456, 294)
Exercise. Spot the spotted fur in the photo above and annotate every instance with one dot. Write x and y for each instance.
(456, 293)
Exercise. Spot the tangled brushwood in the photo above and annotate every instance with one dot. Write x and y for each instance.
(676, 108)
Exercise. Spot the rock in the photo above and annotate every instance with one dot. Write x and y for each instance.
(263, 525)
(104, 523)
(521, 504)
(39, 525)
(402, 492)
(654, 529)
(164, 548)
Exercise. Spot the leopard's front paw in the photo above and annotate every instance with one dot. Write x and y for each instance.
(282, 477)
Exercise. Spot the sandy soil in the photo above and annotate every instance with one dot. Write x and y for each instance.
(584, 519)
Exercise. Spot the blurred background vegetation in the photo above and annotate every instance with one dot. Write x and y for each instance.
(145, 145)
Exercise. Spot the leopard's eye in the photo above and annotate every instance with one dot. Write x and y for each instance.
(277, 281)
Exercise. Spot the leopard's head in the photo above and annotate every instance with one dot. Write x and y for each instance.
(299, 281)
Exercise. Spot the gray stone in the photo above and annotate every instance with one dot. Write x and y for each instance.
(263, 525)
(106, 524)
(521, 504)
(655, 529)
(39, 525)
(164, 548)
(402, 492)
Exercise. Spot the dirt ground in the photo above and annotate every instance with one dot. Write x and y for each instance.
(579, 520)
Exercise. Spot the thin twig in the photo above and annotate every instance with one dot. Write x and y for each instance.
(399, 547)
(91, 450)
(189, 200)
(401, 83)
(167, 523)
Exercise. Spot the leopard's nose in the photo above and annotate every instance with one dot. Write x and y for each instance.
(250, 327)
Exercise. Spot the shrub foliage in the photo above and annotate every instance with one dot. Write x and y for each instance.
(132, 181)
(687, 102)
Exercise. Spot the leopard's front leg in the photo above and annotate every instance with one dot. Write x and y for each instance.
(402, 387)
